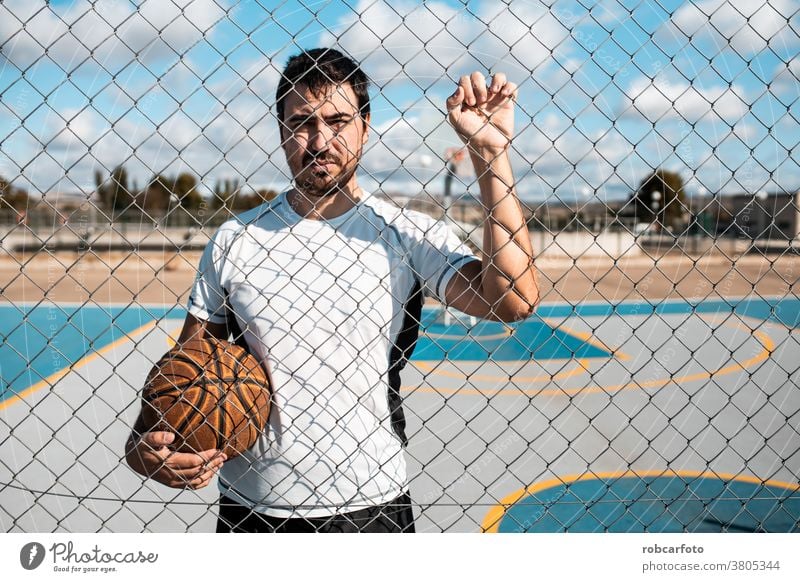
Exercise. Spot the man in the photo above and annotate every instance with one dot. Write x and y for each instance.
(325, 284)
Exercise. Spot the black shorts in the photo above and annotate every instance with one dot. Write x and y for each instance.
(393, 517)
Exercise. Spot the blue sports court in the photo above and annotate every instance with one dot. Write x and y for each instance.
(591, 417)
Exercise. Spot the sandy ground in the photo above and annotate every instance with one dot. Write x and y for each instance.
(166, 279)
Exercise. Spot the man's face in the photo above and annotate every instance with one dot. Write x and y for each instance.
(323, 136)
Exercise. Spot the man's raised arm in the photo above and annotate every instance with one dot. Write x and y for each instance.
(503, 285)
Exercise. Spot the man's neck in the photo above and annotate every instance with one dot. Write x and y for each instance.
(323, 207)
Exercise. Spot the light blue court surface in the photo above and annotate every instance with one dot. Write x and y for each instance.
(38, 341)
(671, 503)
(536, 339)
(533, 339)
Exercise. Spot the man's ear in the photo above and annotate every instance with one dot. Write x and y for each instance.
(280, 133)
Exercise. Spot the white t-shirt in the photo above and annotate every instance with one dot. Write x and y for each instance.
(333, 307)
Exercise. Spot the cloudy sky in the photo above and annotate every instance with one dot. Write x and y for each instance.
(607, 93)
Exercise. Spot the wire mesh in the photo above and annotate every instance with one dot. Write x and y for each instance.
(654, 154)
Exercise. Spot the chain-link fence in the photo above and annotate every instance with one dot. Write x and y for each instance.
(654, 153)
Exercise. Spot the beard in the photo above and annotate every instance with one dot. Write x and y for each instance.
(324, 183)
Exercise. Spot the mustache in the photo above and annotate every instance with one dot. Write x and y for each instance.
(319, 159)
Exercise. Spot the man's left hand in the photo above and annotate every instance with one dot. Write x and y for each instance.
(483, 116)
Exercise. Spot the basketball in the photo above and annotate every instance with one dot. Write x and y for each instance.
(211, 393)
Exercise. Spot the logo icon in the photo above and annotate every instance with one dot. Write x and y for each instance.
(31, 555)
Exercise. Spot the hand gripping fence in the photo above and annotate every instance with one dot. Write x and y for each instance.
(654, 155)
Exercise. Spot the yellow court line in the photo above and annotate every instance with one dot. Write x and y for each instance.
(491, 523)
(588, 338)
(173, 339)
(764, 339)
(55, 376)
(739, 323)
(777, 325)
(509, 331)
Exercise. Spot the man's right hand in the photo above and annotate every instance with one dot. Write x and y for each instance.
(151, 457)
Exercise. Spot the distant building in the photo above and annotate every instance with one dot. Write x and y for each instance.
(768, 216)
(466, 209)
(51, 210)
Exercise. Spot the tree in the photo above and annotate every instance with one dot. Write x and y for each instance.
(267, 195)
(155, 197)
(114, 194)
(224, 194)
(233, 199)
(661, 197)
(12, 197)
(245, 201)
(185, 189)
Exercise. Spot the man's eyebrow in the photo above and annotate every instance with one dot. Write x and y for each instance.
(299, 117)
(306, 116)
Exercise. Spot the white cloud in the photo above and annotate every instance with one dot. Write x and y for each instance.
(746, 131)
(398, 43)
(609, 13)
(155, 29)
(528, 31)
(158, 30)
(423, 43)
(388, 40)
(405, 140)
(612, 148)
(785, 83)
(741, 25)
(661, 98)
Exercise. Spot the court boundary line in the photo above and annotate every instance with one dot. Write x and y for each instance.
(50, 380)
(491, 522)
(767, 348)
(509, 331)
(588, 338)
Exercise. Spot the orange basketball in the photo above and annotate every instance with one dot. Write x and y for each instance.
(211, 393)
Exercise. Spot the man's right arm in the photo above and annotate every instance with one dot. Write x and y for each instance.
(197, 328)
(148, 453)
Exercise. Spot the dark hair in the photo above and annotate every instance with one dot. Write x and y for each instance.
(319, 68)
